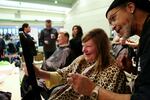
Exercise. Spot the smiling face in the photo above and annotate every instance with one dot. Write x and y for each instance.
(74, 31)
(89, 51)
(121, 20)
(62, 39)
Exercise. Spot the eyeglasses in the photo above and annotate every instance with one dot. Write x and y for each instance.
(113, 16)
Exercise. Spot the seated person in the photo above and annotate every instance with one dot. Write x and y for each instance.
(11, 49)
(62, 57)
(96, 63)
(59, 58)
(124, 52)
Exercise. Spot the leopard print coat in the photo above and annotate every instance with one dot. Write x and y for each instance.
(111, 78)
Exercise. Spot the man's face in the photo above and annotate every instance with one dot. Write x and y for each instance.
(61, 40)
(48, 25)
(121, 20)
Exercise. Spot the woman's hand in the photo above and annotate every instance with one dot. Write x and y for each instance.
(81, 84)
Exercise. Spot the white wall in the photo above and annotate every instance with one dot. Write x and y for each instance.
(18, 17)
(89, 14)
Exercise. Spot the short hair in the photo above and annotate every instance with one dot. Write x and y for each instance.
(66, 34)
(141, 4)
(48, 21)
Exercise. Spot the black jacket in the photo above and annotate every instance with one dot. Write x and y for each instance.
(28, 46)
(142, 83)
(76, 46)
(50, 36)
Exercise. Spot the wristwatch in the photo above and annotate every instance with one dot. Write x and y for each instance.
(95, 92)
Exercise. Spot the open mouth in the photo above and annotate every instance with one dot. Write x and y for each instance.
(87, 54)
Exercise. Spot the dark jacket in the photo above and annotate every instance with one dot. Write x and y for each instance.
(142, 83)
(50, 36)
(2, 46)
(28, 46)
(76, 46)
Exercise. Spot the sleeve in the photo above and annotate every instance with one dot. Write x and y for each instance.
(56, 34)
(118, 81)
(63, 57)
(142, 83)
(60, 76)
(112, 79)
(41, 36)
(70, 69)
(30, 41)
(55, 79)
(59, 60)
(112, 85)
(3, 44)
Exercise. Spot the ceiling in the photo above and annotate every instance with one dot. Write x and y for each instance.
(63, 3)
(35, 10)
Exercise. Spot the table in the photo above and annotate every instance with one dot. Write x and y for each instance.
(11, 82)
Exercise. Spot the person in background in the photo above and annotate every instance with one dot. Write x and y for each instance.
(95, 63)
(58, 58)
(75, 42)
(2, 47)
(28, 47)
(27, 42)
(127, 18)
(125, 52)
(61, 58)
(48, 38)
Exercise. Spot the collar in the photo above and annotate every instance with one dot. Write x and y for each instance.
(64, 45)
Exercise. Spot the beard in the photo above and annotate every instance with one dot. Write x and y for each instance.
(128, 31)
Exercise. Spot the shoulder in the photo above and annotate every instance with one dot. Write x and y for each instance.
(75, 41)
(113, 67)
(71, 41)
(20, 34)
(79, 59)
(43, 30)
(54, 30)
(66, 49)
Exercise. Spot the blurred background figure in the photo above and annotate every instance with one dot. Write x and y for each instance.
(48, 38)
(2, 47)
(75, 42)
(125, 52)
(59, 58)
(28, 47)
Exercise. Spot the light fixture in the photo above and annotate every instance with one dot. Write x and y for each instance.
(33, 6)
(55, 1)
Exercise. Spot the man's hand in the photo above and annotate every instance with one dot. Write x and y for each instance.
(81, 84)
(46, 42)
